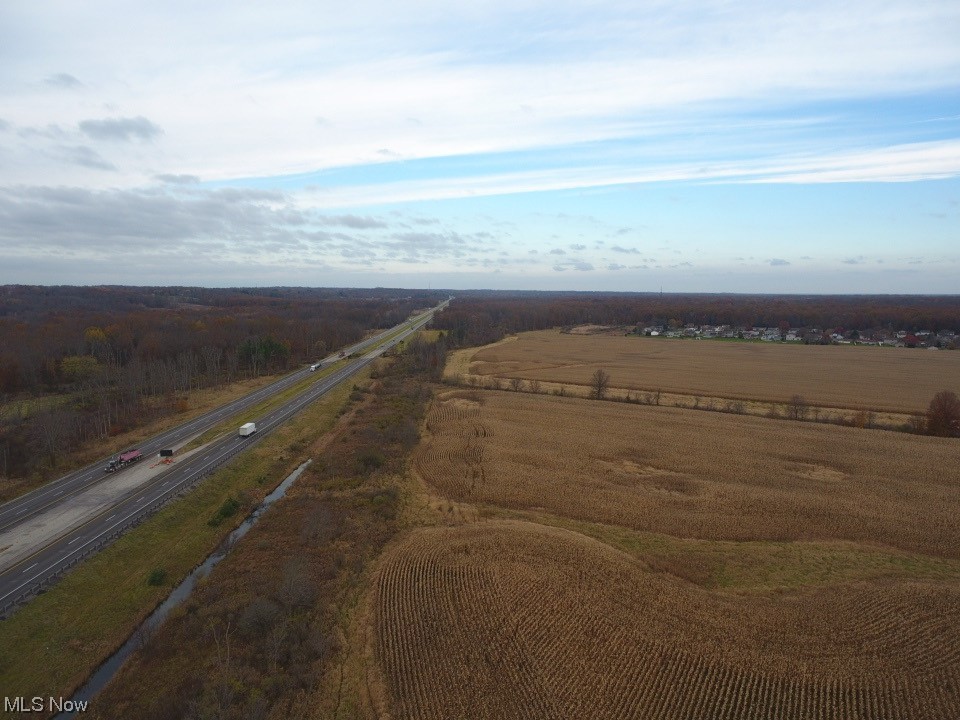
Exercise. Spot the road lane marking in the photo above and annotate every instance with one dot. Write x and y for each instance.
(25, 569)
(74, 540)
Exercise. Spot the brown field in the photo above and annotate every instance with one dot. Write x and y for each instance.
(650, 562)
(694, 474)
(514, 620)
(881, 379)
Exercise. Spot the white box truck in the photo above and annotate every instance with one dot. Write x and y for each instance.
(248, 429)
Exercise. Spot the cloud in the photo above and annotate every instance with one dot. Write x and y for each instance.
(621, 249)
(580, 265)
(908, 162)
(63, 80)
(558, 251)
(252, 236)
(171, 179)
(4, 125)
(121, 129)
(778, 262)
(51, 131)
(148, 221)
(358, 222)
(633, 72)
(854, 260)
(578, 247)
(420, 246)
(84, 156)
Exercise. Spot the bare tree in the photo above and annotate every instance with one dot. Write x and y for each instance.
(224, 686)
(516, 384)
(943, 415)
(797, 408)
(599, 384)
(534, 386)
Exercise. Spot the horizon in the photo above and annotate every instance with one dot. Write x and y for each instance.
(663, 293)
(709, 147)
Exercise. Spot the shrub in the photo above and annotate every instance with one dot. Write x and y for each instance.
(229, 507)
(943, 415)
(371, 459)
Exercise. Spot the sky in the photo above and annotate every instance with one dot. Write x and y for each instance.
(710, 146)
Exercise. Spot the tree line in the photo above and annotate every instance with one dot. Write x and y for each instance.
(479, 318)
(78, 364)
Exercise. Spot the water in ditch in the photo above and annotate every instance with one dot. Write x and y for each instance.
(180, 593)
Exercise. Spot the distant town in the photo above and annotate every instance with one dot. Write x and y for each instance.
(942, 340)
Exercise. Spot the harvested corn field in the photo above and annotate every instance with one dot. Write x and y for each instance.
(896, 380)
(648, 562)
(691, 474)
(511, 619)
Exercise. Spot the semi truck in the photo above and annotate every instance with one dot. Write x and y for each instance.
(122, 460)
(248, 429)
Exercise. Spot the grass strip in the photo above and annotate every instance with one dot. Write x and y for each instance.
(756, 565)
(232, 423)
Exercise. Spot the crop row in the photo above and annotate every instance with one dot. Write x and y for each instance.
(490, 621)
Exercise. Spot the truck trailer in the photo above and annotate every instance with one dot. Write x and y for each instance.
(248, 429)
(122, 460)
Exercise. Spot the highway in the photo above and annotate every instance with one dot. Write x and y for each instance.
(37, 571)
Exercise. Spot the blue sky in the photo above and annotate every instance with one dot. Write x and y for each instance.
(695, 146)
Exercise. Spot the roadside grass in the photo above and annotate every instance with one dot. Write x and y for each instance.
(398, 331)
(51, 645)
(430, 335)
(752, 566)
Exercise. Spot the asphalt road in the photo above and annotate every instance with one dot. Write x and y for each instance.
(40, 569)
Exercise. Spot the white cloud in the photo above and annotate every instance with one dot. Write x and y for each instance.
(901, 163)
(238, 90)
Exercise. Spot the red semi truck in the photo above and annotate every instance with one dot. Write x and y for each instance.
(122, 460)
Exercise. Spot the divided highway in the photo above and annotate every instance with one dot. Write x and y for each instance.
(21, 581)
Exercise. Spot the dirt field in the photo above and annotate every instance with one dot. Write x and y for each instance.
(880, 379)
(648, 562)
